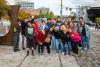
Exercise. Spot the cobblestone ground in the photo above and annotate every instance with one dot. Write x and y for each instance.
(10, 59)
(91, 58)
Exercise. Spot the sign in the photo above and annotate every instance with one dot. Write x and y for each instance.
(97, 19)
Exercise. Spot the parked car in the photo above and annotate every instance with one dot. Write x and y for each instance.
(90, 23)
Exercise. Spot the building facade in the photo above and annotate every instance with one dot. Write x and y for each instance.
(44, 10)
(27, 5)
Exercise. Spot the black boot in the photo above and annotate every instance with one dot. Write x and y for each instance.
(23, 48)
(32, 52)
(27, 53)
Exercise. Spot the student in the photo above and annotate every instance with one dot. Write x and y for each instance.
(23, 26)
(47, 41)
(58, 42)
(40, 39)
(65, 39)
(75, 39)
(36, 27)
(16, 34)
(29, 32)
(84, 32)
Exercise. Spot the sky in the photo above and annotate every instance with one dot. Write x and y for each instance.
(54, 5)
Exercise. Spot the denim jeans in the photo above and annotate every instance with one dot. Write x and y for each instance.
(58, 45)
(23, 40)
(53, 46)
(16, 41)
(67, 47)
(85, 42)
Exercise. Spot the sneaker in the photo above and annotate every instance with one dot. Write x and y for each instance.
(15, 50)
(23, 48)
(18, 49)
(63, 53)
(57, 54)
(40, 54)
(32, 53)
(27, 53)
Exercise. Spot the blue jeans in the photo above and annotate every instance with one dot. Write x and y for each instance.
(58, 45)
(85, 42)
(53, 45)
(15, 41)
(67, 47)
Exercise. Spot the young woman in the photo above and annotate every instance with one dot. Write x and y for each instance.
(75, 39)
(40, 39)
(65, 39)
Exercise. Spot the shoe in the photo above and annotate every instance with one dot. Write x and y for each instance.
(40, 54)
(27, 53)
(57, 54)
(23, 48)
(32, 52)
(18, 49)
(62, 53)
(15, 50)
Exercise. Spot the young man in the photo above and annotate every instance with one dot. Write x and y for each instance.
(84, 32)
(16, 34)
(58, 42)
(29, 32)
(23, 26)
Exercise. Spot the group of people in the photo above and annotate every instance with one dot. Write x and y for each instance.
(60, 36)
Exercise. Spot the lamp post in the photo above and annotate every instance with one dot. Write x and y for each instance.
(61, 8)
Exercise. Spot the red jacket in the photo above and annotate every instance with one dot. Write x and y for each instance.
(35, 25)
(40, 37)
(75, 36)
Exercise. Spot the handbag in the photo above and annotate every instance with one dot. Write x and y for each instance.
(48, 39)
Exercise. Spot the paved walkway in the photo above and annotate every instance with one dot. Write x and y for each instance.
(91, 58)
(10, 59)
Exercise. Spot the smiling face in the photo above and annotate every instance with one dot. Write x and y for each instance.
(69, 19)
(64, 28)
(29, 24)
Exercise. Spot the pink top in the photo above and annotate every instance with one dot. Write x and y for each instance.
(75, 36)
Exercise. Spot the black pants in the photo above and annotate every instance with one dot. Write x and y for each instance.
(75, 47)
(40, 48)
(35, 43)
(48, 47)
(30, 43)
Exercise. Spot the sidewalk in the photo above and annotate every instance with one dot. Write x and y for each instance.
(10, 59)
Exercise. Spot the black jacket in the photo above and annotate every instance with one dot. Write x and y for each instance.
(64, 37)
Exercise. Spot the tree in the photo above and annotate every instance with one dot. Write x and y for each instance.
(42, 14)
(51, 15)
(47, 14)
(23, 14)
(3, 8)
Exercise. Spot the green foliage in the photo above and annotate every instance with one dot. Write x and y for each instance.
(46, 15)
(51, 15)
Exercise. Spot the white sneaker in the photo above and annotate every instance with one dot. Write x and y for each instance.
(63, 53)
